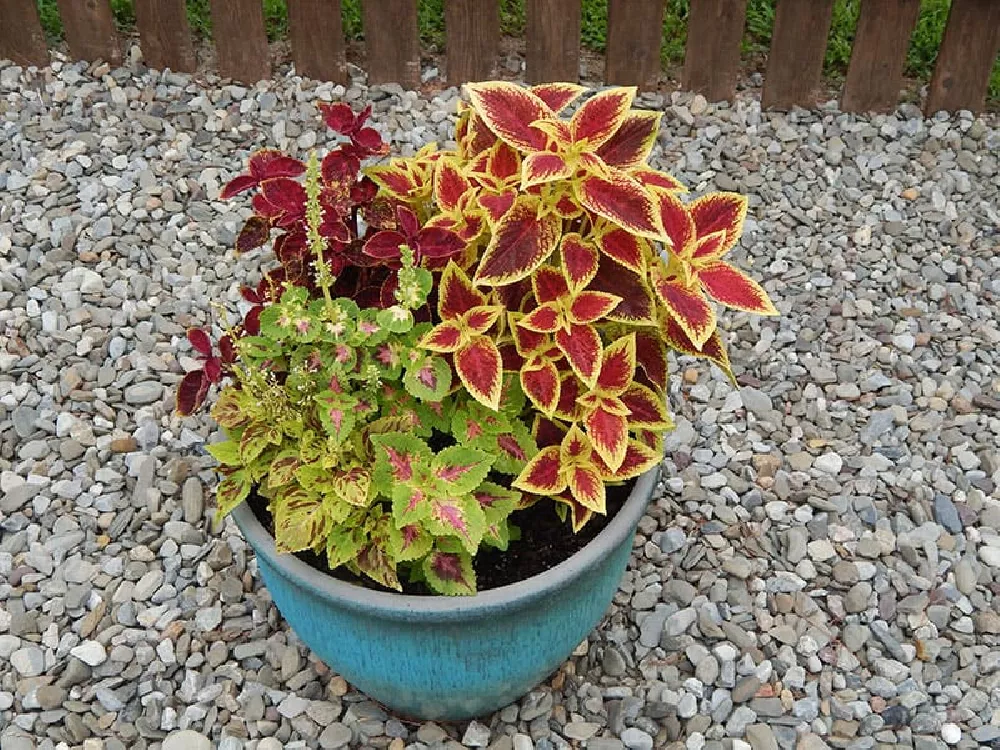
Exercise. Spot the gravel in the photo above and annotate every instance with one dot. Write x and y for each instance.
(820, 565)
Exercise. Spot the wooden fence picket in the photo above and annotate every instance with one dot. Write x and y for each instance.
(875, 73)
(553, 40)
(21, 37)
(89, 27)
(712, 53)
(798, 46)
(472, 29)
(240, 40)
(970, 45)
(635, 34)
(392, 41)
(165, 35)
(316, 31)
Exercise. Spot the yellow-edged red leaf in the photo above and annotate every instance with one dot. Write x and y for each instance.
(713, 350)
(686, 305)
(558, 95)
(570, 390)
(639, 458)
(543, 319)
(449, 184)
(720, 212)
(625, 248)
(540, 382)
(508, 110)
(733, 288)
(657, 180)
(456, 294)
(526, 341)
(646, 408)
(445, 337)
(549, 284)
(587, 487)
(617, 366)
(542, 167)
(600, 117)
(521, 242)
(630, 146)
(621, 200)
(590, 306)
(581, 345)
(608, 434)
(481, 319)
(543, 473)
(398, 181)
(638, 305)
(495, 205)
(678, 224)
(480, 368)
(579, 261)
(651, 356)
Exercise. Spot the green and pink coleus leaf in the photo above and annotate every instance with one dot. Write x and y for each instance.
(459, 516)
(428, 379)
(337, 414)
(399, 459)
(448, 569)
(410, 542)
(458, 469)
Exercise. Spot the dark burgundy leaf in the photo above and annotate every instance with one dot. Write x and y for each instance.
(191, 392)
(200, 341)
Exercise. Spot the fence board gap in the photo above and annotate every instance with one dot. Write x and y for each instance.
(553, 40)
(635, 33)
(317, 35)
(712, 53)
(875, 73)
(21, 37)
(240, 40)
(392, 43)
(965, 60)
(798, 46)
(89, 27)
(164, 34)
(472, 29)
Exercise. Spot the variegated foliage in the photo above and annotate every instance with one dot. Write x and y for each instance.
(581, 267)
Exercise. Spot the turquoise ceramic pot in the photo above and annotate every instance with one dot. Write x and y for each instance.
(449, 658)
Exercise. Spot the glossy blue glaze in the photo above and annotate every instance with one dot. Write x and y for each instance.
(450, 658)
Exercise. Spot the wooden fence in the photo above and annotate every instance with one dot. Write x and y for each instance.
(711, 65)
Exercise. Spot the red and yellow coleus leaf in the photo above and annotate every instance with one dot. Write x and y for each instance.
(639, 458)
(509, 111)
(540, 382)
(656, 180)
(558, 95)
(622, 200)
(674, 336)
(521, 242)
(599, 118)
(632, 143)
(579, 261)
(480, 368)
(570, 466)
(456, 293)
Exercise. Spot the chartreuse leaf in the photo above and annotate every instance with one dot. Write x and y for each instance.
(428, 379)
(375, 559)
(300, 520)
(230, 411)
(448, 569)
(353, 486)
(226, 453)
(396, 319)
(458, 516)
(458, 469)
(256, 438)
(512, 450)
(282, 469)
(345, 540)
(257, 347)
(232, 491)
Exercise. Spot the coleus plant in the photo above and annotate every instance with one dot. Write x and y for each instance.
(452, 336)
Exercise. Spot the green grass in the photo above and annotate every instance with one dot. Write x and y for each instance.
(760, 21)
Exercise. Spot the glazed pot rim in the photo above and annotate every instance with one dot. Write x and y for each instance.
(451, 608)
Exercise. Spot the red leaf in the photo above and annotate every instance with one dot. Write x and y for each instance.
(646, 407)
(549, 284)
(733, 289)
(570, 390)
(496, 204)
(369, 140)
(227, 349)
(445, 337)
(526, 341)
(677, 223)
(625, 248)
(651, 355)
(601, 116)
(437, 243)
(237, 185)
(540, 382)
(200, 341)
(339, 166)
(338, 117)
(508, 110)
(521, 242)
(557, 95)
(710, 247)
(543, 319)
(637, 305)
(191, 392)
(285, 194)
(582, 347)
(617, 366)
(713, 350)
(213, 369)
(579, 260)
(481, 319)
(503, 163)
(639, 459)
(270, 163)
(657, 180)
(589, 307)
(255, 233)
(720, 212)
(547, 432)
(631, 145)
(621, 200)
(480, 368)
(542, 167)
(456, 295)
(384, 245)
(542, 474)
(688, 307)
(449, 184)
(609, 435)
(587, 488)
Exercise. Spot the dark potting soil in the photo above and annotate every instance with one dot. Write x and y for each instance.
(544, 543)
